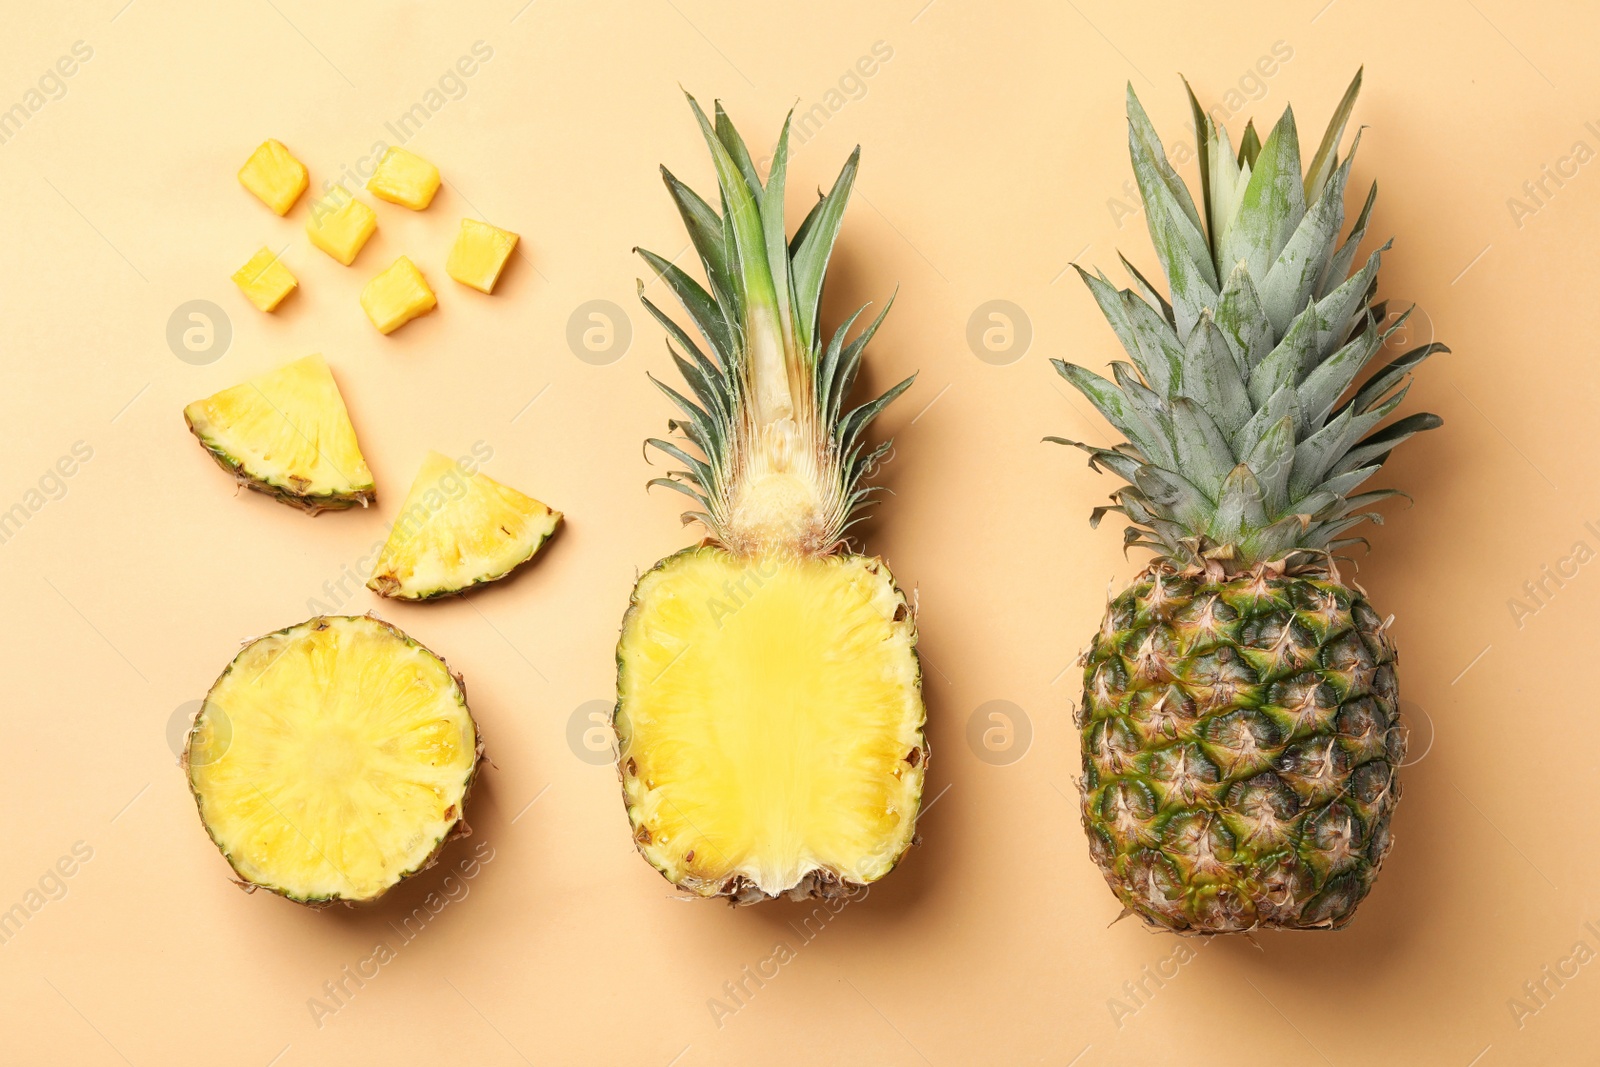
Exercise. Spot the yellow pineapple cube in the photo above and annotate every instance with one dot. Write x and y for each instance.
(341, 228)
(275, 176)
(480, 254)
(265, 280)
(397, 296)
(405, 179)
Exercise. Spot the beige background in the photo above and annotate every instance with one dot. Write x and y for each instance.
(994, 154)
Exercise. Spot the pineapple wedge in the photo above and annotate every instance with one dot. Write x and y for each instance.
(397, 296)
(275, 176)
(287, 433)
(341, 229)
(264, 280)
(332, 759)
(456, 531)
(405, 179)
(480, 254)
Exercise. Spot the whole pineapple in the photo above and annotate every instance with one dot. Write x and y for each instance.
(769, 710)
(1240, 718)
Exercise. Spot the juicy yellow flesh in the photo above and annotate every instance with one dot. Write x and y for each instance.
(770, 719)
(288, 430)
(342, 229)
(456, 530)
(397, 296)
(405, 179)
(480, 254)
(274, 175)
(265, 280)
(331, 759)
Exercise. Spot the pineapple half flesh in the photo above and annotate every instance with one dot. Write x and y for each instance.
(287, 433)
(769, 713)
(456, 530)
(333, 759)
(1240, 721)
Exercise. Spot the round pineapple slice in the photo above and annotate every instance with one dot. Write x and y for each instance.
(770, 722)
(458, 530)
(332, 759)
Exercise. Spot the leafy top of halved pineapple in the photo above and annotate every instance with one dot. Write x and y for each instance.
(782, 464)
(287, 433)
(1246, 436)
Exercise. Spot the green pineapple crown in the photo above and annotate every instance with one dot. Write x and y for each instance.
(782, 464)
(1239, 450)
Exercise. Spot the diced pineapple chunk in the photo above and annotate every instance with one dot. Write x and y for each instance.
(274, 175)
(397, 296)
(340, 225)
(265, 280)
(405, 179)
(480, 254)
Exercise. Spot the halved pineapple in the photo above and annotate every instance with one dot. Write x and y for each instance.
(457, 530)
(287, 433)
(332, 759)
(770, 721)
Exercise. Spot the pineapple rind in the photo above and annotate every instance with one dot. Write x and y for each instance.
(1241, 741)
(745, 884)
(354, 486)
(415, 544)
(456, 829)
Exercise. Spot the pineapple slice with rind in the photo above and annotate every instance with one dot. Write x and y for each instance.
(274, 175)
(332, 759)
(480, 254)
(404, 178)
(457, 530)
(264, 280)
(341, 225)
(397, 295)
(287, 433)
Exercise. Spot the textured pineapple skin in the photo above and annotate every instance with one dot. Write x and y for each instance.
(1241, 739)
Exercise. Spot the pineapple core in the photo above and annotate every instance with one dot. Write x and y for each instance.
(275, 176)
(769, 716)
(480, 254)
(264, 280)
(405, 179)
(332, 759)
(397, 296)
(340, 225)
